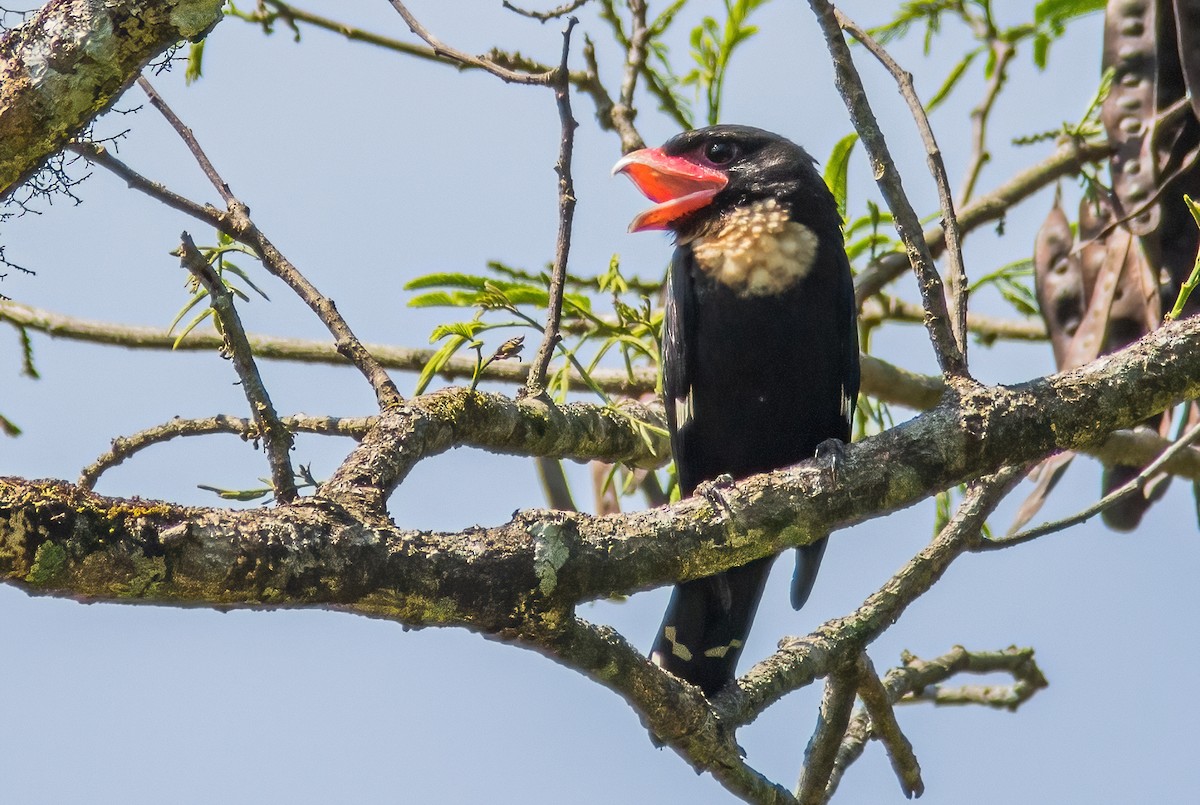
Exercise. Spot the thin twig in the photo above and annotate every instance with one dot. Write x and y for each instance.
(908, 225)
(295, 15)
(566, 213)
(125, 447)
(911, 682)
(956, 272)
(878, 706)
(441, 49)
(1135, 485)
(676, 714)
(586, 81)
(879, 378)
(236, 223)
(610, 117)
(1002, 53)
(635, 61)
(277, 439)
(882, 308)
(836, 707)
(1066, 160)
(189, 139)
(545, 16)
(920, 680)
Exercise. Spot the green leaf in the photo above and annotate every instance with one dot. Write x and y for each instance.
(464, 329)
(437, 360)
(1041, 50)
(237, 494)
(1059, 11)
(8, 427)
(837, 169)
(192, 325)
(196, 299)
(195, 62)
(28, 368)
(952, 80)
(444, 280)
(443, 299)
(228, 266)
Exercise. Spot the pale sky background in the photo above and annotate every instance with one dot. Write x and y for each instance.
(368, 169)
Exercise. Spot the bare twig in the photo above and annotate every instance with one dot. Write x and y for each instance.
(124, 447)
(957, 272)
(1135, 485)
(445, 51)
(292, 15)
(277, 439)
(881, 308)
(236, 223)
(566, 212)
(908, 225)
(190, 140)
(544, 16)
(819, 755)
(676, 714)
(878, 705)
(1067, 159)
(880, 379)
(586, 81)
(1002, 53)
(635, 61)
(918, 681)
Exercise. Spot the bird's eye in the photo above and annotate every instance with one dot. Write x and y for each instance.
(720, 153)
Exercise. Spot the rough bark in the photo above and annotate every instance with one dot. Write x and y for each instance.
(71, 60)
(339, 549)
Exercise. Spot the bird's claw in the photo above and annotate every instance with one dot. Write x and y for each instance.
(712, 491)
(835, 451)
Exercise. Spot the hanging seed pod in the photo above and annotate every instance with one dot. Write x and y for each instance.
(1058, 281)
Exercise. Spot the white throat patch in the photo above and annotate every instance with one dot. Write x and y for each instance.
(757, 250)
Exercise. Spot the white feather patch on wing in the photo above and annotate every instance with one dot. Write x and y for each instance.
(683, 410)
(720, 651)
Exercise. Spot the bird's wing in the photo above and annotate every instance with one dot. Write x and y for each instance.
(679, 322)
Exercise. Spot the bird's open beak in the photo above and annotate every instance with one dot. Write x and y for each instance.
(677, 185)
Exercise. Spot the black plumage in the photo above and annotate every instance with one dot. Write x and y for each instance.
(760, 348)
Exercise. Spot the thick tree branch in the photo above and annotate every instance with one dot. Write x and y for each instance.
(487, 577)
(70, 61)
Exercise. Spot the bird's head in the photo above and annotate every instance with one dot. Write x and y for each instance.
(699, 176)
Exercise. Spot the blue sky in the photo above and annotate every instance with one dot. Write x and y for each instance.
(368, 169)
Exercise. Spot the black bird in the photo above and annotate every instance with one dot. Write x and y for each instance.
(760, 349)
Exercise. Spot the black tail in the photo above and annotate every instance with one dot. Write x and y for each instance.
(808, 562)
(706, 625)
(1126, 514)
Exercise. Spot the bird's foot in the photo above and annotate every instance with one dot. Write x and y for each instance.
(835, 451)
(712, 491)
